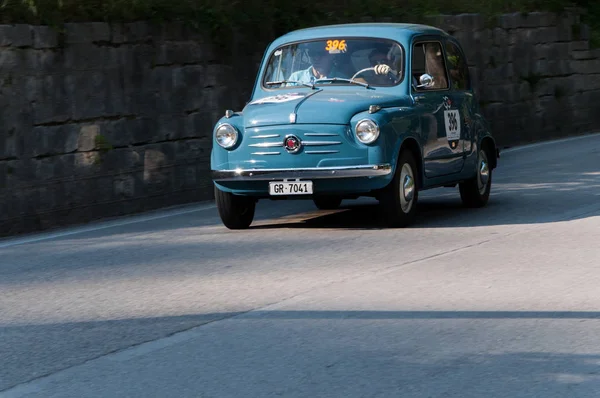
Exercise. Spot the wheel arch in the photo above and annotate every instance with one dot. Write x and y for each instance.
(412, 145)
(489, 146)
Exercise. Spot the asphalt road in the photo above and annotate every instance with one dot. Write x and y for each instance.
(502, 301)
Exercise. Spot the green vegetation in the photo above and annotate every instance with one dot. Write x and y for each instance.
(265, 19)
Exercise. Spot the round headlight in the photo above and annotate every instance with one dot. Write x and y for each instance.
(367, 131)
(226, 135)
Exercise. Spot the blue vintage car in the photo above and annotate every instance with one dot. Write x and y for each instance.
(337, 112)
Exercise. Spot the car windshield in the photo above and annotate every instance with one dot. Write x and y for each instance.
(371, 62)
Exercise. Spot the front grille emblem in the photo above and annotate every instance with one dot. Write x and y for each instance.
(292, 144)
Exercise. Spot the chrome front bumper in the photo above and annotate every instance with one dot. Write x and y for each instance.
(376, 170)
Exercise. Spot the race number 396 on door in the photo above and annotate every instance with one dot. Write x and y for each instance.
(452, 121)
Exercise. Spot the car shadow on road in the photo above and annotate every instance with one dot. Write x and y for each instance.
(552, 197)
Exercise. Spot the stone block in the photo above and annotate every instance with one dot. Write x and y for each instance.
(506, 93)
(154, 166)
(53, 140)
(521, 36)
(86, 56)
(8, 144)
(552, 68)
(86, 163)
(134, 32)
(9, 60)
(579, 46)
(583, 55)
(498, 75)
(179, 53)
(6, 35)
(170, 127)
(142, 129)
(564, 31)
(188, 83)
(470, 22)
(521, 56)
(88, 92)
(44, 169)
(86, 32)
(551, 51)
(200, 124)
(116, 132)
(500, 37)
(124, 186)
(586, 67)
(49, 62)
(52, 99)
(447, 23)
(583, 32)
(44, 37)
(173, 31)
(88, 134)
(549, 34)
(22, 36)
(527, 20)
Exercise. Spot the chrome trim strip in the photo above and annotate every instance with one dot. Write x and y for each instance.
(320, 152)
(266, 153)
(265, 136)
(320, 135)
(374, 170)
(267, 144)
(317, 143)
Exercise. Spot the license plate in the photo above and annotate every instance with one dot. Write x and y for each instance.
(290, 187)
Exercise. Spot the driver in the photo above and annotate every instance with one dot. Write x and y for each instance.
(322, 65)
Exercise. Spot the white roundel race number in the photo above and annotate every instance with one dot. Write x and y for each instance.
(452, 121)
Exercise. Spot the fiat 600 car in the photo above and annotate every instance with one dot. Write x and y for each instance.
(338, 112)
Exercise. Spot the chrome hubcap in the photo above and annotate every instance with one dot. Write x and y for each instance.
(484, 172)
(407, 189)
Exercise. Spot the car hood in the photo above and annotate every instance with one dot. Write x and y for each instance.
(325, 106)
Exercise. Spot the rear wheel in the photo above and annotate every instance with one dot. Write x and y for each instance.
(476, 191)
(236, 212)
(327, 202)
(399, 200)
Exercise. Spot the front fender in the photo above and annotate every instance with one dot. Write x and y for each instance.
(397, 125)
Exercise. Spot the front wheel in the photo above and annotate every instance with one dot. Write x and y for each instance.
(399, 199)
(476, 191)
(236, 212)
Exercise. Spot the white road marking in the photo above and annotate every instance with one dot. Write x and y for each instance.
(103, 225)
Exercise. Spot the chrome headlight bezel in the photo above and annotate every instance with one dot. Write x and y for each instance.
(226, 135)
(367, 131)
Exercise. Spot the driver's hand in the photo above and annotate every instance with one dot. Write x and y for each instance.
(382, 69)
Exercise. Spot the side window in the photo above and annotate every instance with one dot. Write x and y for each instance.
(457, 68)
(428, 58)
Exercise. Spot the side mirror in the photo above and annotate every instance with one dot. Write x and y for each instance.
(425, 81)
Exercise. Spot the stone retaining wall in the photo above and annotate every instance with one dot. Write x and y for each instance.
(104, 120)
(535, 73)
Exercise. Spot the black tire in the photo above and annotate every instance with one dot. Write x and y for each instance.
(396, 211)
(327, 202)
(236, 212)
(476, 191)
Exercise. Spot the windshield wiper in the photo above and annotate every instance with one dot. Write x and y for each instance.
(340, 79)
(312, 86)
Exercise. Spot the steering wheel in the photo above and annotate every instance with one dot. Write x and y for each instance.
(371, 68)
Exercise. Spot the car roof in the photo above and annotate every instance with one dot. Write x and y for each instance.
(400, 31)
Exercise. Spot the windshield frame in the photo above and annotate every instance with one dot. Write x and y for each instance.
(267, 61)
